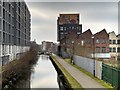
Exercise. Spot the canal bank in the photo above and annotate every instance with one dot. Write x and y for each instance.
(68, 81)
(19, 70)
(84, 80)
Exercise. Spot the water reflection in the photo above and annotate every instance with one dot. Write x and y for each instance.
(45, 75)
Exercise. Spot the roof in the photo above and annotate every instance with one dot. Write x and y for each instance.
(104, 30)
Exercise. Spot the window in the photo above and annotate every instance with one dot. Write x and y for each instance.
(78, 32)
(61, 28)
(72, 27)
(0, 23)
(97, 50)
(103, 49)
(118, 49)
(88, 41)
(103, 40)
(114, 49)
(82, 42)
(66, 33)
(118, 41)
(3, 50)
(4, 13)
(77, 27)
(3, 25)
(110, 49)
(114, 41)
(110, 41)
(61, 33)
(9, 39)
(97, 40)
(0, 11)
(4, 37)
(65, 28)
(9, 7)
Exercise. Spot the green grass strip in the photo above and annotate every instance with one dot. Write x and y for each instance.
(103, 83)
(74, 84)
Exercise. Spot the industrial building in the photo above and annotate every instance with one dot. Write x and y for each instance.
(15, 31)
(67, 23)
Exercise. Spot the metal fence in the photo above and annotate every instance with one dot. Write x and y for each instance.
(111, 75)
(105, 72)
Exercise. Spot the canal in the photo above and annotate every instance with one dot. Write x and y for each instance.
(44, 75)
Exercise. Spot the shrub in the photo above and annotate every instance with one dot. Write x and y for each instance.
(18, 70)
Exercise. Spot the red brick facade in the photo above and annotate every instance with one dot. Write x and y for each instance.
(85, 39)
(97, 42)
(101, 42)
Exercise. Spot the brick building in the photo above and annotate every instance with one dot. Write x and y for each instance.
(68, 41)
(87, 44)
(85, 39)
(66, 23)
(101, 44)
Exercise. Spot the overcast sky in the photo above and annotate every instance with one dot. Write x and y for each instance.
(93, 15)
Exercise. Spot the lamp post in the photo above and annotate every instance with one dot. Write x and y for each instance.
(72, 52)
(93, 57)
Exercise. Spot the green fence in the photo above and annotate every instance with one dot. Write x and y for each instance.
(111, 75)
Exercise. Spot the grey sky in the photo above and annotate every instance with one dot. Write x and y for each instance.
(93, 15)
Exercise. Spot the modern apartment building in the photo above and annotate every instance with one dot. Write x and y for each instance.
(114, 45)
(14, 29)
(66, 23)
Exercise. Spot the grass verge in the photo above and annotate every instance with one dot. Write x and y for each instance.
(103, 83)
(74, 84)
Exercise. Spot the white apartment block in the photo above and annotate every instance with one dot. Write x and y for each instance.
(114, 45)
(14, 30)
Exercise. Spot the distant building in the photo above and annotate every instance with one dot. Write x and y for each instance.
(15, 29)
(66, 23)
(114, 45)
(49, 47)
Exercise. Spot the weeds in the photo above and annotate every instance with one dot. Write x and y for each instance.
(18, 70)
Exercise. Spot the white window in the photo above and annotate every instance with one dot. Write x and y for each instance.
(78, 32)
(97, 40)
(82, 42)
(72, 27)
(65, 28)
(61, 28)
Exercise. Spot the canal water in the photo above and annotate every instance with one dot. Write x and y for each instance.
(44, 75)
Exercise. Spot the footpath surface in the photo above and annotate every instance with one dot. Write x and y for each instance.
(84, 80)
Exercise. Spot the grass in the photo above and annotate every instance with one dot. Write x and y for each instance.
(106, 85)
(73, 83)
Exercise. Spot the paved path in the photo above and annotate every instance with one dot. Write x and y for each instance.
(84, 80)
